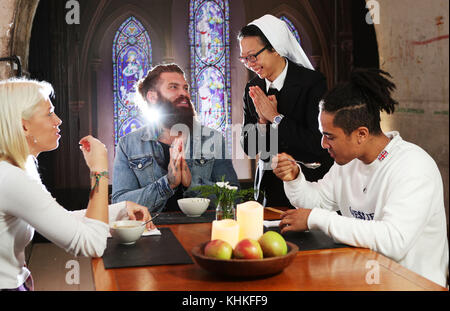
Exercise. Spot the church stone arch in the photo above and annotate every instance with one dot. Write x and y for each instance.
(16, 23)
(314, 41)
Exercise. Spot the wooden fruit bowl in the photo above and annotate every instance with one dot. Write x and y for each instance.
(244, 267)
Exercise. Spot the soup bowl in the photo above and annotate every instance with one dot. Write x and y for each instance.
(193, 207)
(127, 231)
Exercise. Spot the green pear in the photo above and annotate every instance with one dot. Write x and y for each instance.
(273, 244)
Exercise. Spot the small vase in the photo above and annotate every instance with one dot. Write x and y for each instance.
(225, 210)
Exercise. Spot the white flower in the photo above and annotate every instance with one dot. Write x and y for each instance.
(226, 185)
(222, 184)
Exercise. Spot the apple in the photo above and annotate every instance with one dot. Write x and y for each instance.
(248, 249)
(218, 249)
(273, 244)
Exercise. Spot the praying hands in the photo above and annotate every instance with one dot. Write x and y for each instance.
(266, 106)
(178, 170)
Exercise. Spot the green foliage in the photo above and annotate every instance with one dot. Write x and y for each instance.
(224, 193)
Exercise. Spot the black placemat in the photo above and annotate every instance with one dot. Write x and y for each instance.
(170, 218)
(309, 240)
(152, 250)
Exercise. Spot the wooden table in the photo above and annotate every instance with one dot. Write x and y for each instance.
(346, 269)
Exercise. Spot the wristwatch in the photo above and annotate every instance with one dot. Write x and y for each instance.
(277, 120)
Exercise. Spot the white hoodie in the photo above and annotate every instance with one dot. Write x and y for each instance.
(394, 206)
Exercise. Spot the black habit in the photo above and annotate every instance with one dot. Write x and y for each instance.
(298, 133)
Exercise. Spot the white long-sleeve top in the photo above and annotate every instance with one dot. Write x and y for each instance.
(394, 206)
(25, 205)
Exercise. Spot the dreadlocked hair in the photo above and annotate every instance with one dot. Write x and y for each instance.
(359, 102)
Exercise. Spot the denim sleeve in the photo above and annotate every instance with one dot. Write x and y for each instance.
(125, 186)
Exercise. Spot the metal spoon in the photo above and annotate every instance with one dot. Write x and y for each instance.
(312, 166)
(153, 218)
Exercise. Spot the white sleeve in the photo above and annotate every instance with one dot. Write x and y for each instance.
(116, 212)
(28, 200)
(406, 207)
(320, 194)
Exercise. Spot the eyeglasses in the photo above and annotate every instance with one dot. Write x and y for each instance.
(252, 58)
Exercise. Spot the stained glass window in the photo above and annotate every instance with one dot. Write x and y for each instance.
(209, 35)
(292, 28)
(132, 59)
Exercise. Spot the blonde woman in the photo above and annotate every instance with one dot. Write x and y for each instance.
(29, 126)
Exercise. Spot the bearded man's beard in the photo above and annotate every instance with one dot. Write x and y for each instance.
(173, 115)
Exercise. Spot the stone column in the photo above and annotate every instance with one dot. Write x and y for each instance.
(23, 23)
(7, 10)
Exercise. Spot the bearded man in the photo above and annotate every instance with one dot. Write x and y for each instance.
(161, 162)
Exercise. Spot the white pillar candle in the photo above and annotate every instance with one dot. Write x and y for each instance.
(225, 230)
(250, 217)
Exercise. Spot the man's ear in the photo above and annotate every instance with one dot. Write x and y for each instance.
(152, 97)
(362, 133)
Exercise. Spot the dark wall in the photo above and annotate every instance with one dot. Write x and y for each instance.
(365, 47)
(40, 64)
(351, 41)
(49, 53)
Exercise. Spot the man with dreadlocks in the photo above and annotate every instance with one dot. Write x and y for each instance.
(389, 191)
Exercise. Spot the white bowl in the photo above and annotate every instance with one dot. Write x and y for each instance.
(193, 207)
(127, 231)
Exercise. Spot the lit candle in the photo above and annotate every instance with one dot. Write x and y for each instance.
(250, 217)
(226, 230)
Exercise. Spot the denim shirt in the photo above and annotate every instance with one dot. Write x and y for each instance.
(138, 174)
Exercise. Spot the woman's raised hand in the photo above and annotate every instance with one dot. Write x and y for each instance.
(95, 154)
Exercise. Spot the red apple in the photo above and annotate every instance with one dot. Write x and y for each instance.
(248, 249)
(218, 249)
(273, 244)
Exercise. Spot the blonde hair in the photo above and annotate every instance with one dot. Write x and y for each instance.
(19, 99)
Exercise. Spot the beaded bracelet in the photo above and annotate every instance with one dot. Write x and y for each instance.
(97, 176)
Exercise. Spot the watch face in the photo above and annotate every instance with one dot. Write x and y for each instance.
(278, 119)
